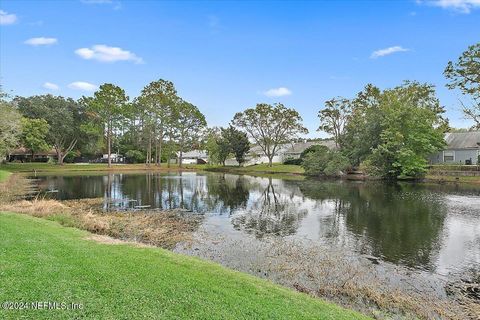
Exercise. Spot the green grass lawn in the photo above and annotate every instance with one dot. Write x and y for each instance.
(259, 168)
(43, 261)
(46, 167)
(459, 179)
(4, 175)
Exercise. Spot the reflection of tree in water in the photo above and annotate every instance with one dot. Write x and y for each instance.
(73, 187)
(273, 213)
(398, 222)
(227, 192)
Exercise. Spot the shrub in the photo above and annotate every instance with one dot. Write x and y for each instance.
(135, 156)
(311, 149)
(323, 161)
(297, 161)
(69, 157)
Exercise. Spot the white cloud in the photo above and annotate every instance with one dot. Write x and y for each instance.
(7, 18)
(387, 51)
(278, 92)
(81, 85)
(51, 86)
(462, 6)
(103, 53)
(41, 41)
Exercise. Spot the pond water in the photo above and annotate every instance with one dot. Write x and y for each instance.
(433, 228)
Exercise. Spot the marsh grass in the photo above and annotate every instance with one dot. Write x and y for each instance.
(160, 228)
(382, 291)
(333, 274)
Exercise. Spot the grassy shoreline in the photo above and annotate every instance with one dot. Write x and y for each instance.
(45, 261)
(280, 171)
(4, 175)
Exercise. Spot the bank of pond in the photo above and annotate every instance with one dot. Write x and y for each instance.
(404, 248)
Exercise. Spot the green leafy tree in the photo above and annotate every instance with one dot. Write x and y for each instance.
(362, 131)
(270, 126)
(212, 146)
(10, 126)
(158, 98)
(412, 128)
(324, 162)
(224, 150)
(237, 143)
(464, 74)
(63, 116)
(334, 117)
(189, 124)
(108, 106)
(34, 133)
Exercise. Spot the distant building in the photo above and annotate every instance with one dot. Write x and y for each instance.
(286, 151)
(462, 148)
(24, 155)
(297, 148)
(193, 157)
(115, 158)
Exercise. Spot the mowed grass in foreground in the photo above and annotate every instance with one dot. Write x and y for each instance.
(43, 261)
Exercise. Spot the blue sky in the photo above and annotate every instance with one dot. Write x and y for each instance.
(227, 56)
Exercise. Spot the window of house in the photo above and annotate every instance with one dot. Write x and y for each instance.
(448, 156)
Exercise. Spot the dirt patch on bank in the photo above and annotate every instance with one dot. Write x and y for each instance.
(112, 241)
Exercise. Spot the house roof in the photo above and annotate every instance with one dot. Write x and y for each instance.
(202, 154)
(23, 151)
(256, 149)
(299, 147)
(463, 140)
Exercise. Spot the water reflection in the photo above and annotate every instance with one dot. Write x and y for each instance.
(401, 222)
(272, 211)
(428, 227)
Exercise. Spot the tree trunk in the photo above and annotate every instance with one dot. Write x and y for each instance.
(180, 160)
(109, 146)
(156, 152)
(59, 157)
(149, 151)
(160, 142)
(270, 159)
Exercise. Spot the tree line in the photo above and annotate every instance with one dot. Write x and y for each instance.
(388, 133)
(391, 133)
(154, 127)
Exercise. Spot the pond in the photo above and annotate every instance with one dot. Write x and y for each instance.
(430, 230)
(432, 227)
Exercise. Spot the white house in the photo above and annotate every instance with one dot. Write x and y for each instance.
(286, 151)
(115, 157)
(297, 148)
(194, 157)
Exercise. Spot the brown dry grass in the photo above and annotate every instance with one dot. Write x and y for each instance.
(15, 187)
(164, 229)
(332, 275)
(160, 228)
